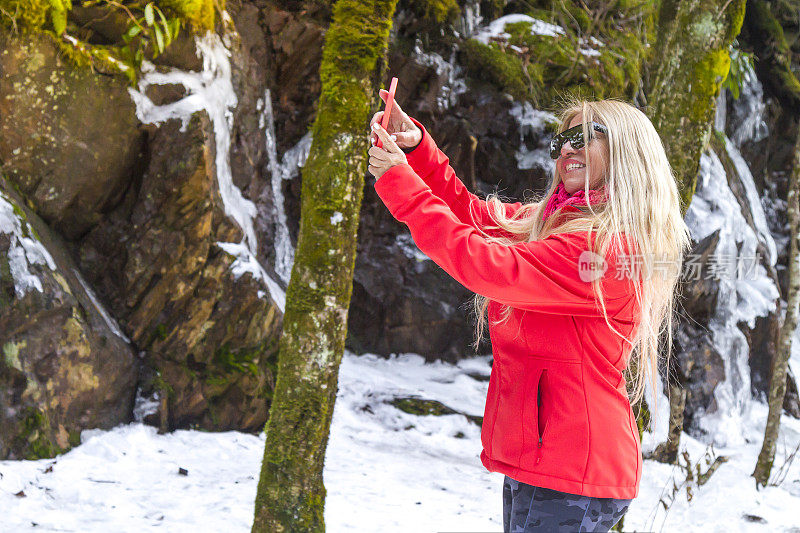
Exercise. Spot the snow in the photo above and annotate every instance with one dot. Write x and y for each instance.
(246, 262)
(495, 31)
(410, 249)
(23, 251)
(496, 28)
(107, 318)
(385, 470)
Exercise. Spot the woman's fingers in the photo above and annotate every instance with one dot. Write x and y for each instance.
(386, 157)
(378, 153)
(388, 140)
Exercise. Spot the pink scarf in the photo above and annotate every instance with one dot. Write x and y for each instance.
(562, 198)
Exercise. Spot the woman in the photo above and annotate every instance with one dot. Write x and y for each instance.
(578, 288)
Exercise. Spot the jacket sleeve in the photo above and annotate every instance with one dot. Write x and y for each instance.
(432, 165)
(538, 276)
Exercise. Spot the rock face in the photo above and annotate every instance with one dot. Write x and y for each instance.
(66, 366)
(209, 339)
(68, 137)
(143, 212)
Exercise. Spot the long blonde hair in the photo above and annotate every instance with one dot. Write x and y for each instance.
(642, 204)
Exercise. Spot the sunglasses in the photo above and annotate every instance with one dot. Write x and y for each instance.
(575, 137)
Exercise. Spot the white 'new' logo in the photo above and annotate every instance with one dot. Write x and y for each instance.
(591, 266)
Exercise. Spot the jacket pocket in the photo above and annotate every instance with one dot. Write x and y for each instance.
(555, 422)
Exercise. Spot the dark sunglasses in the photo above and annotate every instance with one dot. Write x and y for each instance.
(575, 137)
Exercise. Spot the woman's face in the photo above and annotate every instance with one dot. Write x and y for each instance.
(596, 152)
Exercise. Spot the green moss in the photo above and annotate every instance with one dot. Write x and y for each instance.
(435, 12)
(200, 13)
(124, 56)
(33, 441)
(11, 354)
(163, 386)
(161, 332)
(229, 366)
(423, 407)
(240, 361)
(708, 75)
(642, 413)
(504, 70)
(543, 67)
(24, 15)
(74, 438)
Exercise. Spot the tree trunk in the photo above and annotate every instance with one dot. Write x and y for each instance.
(777, 384)
(291, 495)
(691, 61)
(774, 63)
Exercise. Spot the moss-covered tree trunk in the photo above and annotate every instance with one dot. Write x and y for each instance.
(691, 60)
(291, 495)
(777, 384)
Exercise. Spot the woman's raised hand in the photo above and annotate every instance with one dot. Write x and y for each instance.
(386, 157)
(407, 133)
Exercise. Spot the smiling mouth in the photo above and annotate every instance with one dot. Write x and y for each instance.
(573, 166)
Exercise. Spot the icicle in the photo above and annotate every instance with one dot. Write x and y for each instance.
(747, 118)
(745, 292)
(533, 121)
(293, 160)
(455, 85)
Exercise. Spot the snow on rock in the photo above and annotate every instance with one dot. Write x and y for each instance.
(496, 28)
(495, 31)
(246, 262)
(210, 90)
(24, 251)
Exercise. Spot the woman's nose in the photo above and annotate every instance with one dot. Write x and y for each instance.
(567, 148)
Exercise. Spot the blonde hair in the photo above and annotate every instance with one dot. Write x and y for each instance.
(642, 204)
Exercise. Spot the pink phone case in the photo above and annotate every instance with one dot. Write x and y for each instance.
(388, 111)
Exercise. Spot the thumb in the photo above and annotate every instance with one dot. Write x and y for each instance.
(405, 137)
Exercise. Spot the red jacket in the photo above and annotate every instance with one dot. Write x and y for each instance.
(557, 414)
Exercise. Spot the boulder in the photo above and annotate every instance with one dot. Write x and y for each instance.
(66, 365)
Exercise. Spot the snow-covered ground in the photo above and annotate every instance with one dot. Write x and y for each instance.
(385, 470)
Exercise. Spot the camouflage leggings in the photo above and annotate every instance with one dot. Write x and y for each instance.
(527, 508)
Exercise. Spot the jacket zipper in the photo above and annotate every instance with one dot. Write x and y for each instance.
(539, 412)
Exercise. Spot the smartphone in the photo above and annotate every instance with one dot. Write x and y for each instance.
(389, 105)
